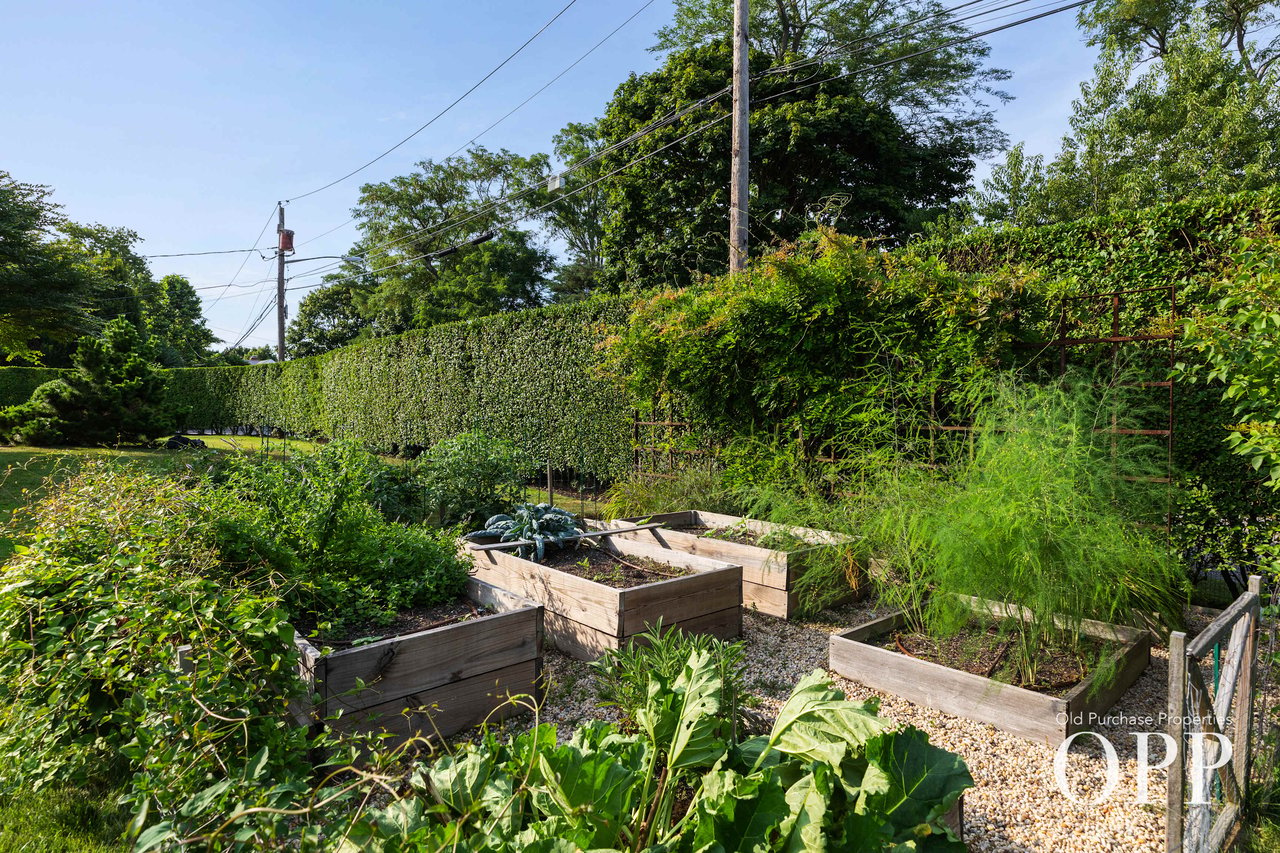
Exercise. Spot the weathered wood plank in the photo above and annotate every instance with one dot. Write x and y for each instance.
(1241, 740)
(1218, 628)
(625, 546)
(1088, 627)
(1013, 709)
(1175, 801)
(1129, 663)
(576, 639)
(449, 709)
(400, 666)
(761, 567)
(1009, 708)
(499, 599)
(1232, 662)
(1199, 694)
(679, 599)
(767, 599)
(584, 617)
(559, 592)
(725, 624)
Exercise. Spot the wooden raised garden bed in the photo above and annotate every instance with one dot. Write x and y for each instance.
(584, 617)
(437, 681)
(768, 575)
(1026, 713)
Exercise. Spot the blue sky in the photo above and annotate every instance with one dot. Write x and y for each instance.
(187, 122)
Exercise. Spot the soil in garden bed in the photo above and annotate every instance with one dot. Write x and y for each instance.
(620, 571)
(776, 542)
(981, 650)
(409, 621)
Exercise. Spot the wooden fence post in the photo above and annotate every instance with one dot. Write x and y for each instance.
(1176, 718)
(1243, 741)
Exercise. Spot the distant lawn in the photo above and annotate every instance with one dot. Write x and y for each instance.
(24, 470)
(63, 821)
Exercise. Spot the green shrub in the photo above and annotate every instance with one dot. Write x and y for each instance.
(114, 395)
(693, 488)
(472, 476)
(623, 675)
(309, 525)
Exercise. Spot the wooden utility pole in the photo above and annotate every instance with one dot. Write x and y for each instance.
(280, 246)
(738, 181)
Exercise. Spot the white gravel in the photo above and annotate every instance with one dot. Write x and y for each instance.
(1015, 804)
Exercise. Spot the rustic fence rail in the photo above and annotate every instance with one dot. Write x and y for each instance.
(1207, 793)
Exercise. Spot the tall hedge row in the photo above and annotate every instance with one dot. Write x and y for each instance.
(1184, 244)
(528, 377)
(17, 383)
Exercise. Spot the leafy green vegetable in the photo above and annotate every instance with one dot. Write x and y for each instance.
(539, 524)
(831, 775)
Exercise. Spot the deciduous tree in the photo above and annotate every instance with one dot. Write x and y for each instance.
(818, 152)
(906, 56)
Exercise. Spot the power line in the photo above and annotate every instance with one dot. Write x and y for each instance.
(438, 115)
(240, 269)
(520, 105)
(253, 327)
(194, 254)
(678, 113)
(717, 120)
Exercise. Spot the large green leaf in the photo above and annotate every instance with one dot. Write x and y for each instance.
(595, 791)
(807, 798)
(739, 814)
(817, 723)
(682, 722)
(910, 784)
(459, 782)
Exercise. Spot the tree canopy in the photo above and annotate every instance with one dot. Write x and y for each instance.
(1192, 121)
(818, 152)
(936, 82)
(43, 290)
(434, 209)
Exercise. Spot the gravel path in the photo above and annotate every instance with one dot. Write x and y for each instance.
(1015, 805)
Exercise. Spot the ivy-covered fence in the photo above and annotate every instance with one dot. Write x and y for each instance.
(529, 377)
(1187, 244)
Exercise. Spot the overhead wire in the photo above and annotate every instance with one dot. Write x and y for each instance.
(194, 254)
(240, 269)
(520, 105)
(383, 248)
(717, 120)
(442, 112)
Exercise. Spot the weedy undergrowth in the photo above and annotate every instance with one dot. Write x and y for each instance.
(693, 488)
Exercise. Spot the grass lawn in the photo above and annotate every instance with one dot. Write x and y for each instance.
(23, 470)
(63, 821)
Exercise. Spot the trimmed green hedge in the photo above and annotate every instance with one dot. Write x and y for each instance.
(17, 383)
(528, 377)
